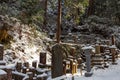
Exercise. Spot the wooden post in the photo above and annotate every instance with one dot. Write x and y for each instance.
(72, 51)
(19, 66)
(113, 39)
(1, 51)
(113, 51)
(97, 49)
(9, 73)
(42, 57)
(57, 61)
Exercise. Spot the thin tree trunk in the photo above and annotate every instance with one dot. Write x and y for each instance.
(91, 8)
(59, 22)
(45, 14)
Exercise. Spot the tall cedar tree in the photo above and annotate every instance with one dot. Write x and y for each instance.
(59, 22)
(91, 8)
(45, 14)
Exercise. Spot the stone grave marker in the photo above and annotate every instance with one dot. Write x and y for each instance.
(57, 61)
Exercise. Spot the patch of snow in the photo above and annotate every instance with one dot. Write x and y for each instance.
(87, 47)
(2, 72)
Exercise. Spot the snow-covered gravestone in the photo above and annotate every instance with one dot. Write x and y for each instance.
(1, 51)
(88, 51)
(57, 61)
(3, 75)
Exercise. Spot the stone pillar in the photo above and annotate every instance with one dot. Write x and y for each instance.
(57, 61)
(88, 61)
(113, 39)
(42, 57)
(97, 49)
(1, 51)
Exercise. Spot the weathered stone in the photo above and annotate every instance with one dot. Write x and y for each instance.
(57, 61)
(43, 57)
(88, 61)
(19, 66)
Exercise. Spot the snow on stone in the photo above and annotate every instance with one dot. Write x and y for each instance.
(113, 46)
(1, 45)
(2, 72)
(42, 75)
(87, 47)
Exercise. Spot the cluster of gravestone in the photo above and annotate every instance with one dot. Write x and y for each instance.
(23, 70)
(100, 55)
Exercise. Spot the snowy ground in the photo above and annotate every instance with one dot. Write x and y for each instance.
(111, 73)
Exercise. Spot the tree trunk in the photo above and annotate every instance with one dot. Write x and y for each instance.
(91, 8)
(45, 14)
(59, 22)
